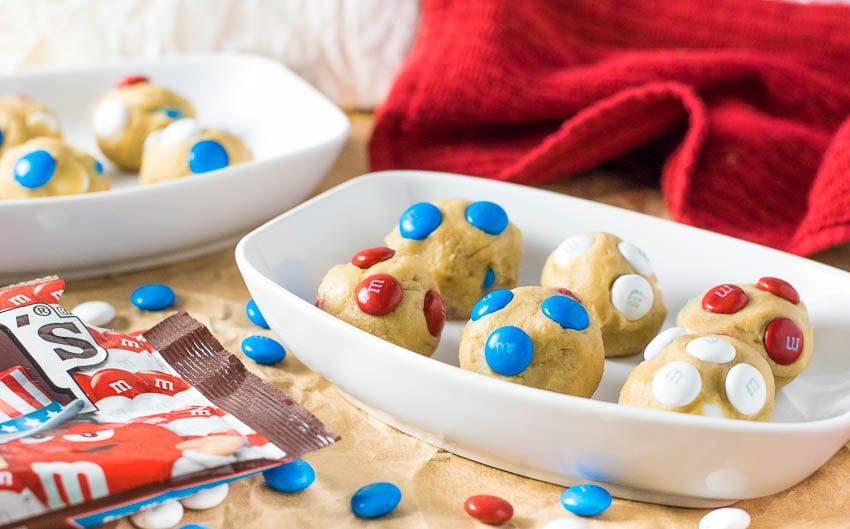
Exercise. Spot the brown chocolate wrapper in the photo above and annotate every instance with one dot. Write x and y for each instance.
(36, 331)
(195, 353)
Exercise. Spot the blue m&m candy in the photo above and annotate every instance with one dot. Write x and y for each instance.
(491, 302)
(489, 279)
(419, 220)
(375, 500)
(193, 526)
(487, 217)
(207, 155)
(294, 476)
(566, 312)
(155, 296)
(254, 314)
(98, 167)
(508, 350)
(1, 137)
(34, 169)
(263, 350)
(172, 113)
(586, 500)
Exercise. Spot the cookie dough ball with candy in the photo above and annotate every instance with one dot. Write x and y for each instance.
(389, 294)
(132, 110)
(22, 119)
(536, 336)
(185, 148)
(471, 247)
(710, 375)
(45, 167)
(615, 281)
(767, 315)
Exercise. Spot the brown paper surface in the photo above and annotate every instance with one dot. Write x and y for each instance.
(434, 483)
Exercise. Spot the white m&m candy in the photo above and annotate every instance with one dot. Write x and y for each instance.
(676, 384)
(726, 518)
(746, 389)
(636, 258)
(632, 295)
(163, 516)
(97, 313)
(207, 498)
(661, 341)
(110, 118)
(572, 248)
(711, 349)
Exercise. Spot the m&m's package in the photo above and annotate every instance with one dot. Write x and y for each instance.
(95, 425)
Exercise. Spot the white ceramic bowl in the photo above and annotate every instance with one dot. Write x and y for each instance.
(648, 455)
(294, 132)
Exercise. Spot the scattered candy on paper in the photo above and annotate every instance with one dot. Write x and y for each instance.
(263, 350)
(586, 500)
(375, 500)
(294, 476)
(488, 509)
(206, 498)
(255, 315)
(97, 313)
(163, 516)
(155, 296)
(725, 518)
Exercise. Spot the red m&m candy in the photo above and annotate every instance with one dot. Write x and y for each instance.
(378, 294)
(131, 80)
(724, 299)
(488, 509)
(371, 256)
(435, 313)
(783, 341)
(567, 292)
(779, 287)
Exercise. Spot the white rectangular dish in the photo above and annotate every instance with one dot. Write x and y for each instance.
(648, 455)
(295, 134)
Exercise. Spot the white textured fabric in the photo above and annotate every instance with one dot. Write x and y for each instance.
(349, 49)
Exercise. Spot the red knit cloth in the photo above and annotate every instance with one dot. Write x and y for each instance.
(754, 94)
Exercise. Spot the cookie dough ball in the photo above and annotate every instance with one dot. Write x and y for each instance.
(127, 114)
(710, 375)
(22, 119)
(44, 167)
(184, 148)
(471, 248)
(615, 281)
(536, 336)
(389, 294)
(768, 315)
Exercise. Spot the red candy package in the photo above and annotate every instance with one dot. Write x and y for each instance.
(95, 425)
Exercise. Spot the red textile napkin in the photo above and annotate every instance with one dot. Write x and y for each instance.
(755, 95)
